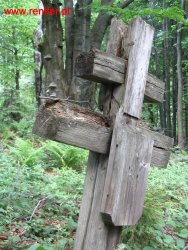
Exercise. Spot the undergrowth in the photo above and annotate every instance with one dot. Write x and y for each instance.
(40, 193)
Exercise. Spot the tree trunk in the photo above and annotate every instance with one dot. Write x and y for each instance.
(167, 74)
(17, 71)
(158, 74)
(180, 83)
(103, 21)
(82, 90)
(174, 94)
(52, 51)
(38, 61)
(186, 120)
(69, 40)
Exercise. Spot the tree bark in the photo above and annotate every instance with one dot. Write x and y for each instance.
(69, 40)
(81, 90)
(52, 51)
(180, 83)
(167, 74)
(38, 61)
(186, 121)
(174, 94)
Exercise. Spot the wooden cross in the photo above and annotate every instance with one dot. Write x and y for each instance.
(117, 169)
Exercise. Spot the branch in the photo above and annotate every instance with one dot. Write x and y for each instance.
(179, 160)
(35, 209)
(102, 22)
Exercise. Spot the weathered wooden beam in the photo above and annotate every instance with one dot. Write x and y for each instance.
(73, 125)
(98, 236)
(162, 146)
(139, 43)
(92, 233)
(127, 173)
(77, 126)
(160, 157)
(160, 140)
(131, 151)
(108, 69)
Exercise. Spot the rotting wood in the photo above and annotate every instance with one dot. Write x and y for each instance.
(160, 140)
(73, 125)
(173, 161)
(92, 233)
(108, 69)
(78, 126)
(104, 238)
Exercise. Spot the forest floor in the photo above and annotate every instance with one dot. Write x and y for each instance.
(40, 193)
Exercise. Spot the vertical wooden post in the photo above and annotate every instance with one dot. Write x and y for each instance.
(139, 43)
(130, 153)
(92, 233)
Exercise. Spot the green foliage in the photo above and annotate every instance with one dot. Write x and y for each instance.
(173, 13)
(50, 154)
(36, 205)
(24, 152)
(59, 155)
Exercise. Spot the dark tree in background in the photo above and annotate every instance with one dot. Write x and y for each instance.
(79, 37)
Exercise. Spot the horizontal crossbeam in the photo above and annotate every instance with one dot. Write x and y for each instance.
(71, 124)
(108, 69)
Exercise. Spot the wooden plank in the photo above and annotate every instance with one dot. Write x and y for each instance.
(101, 236)
(74, 131)
(154, 89)
(139, 41)
(92, 233)
(131, 151)
(108, 69)
(87, 204)
(100, 67)
(160, 140)
(126, 179)
(160, 157)
(75, 126)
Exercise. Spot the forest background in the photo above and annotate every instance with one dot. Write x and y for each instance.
(42, 181)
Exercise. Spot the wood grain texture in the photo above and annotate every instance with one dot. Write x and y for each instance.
(126, 179)
(108, 69)
(160, 140)
(100, 236)
(154, 89)
(92, 136)
(92, 233)
(100, 67)
(160, 157)
(73, 131)
(139, 43)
